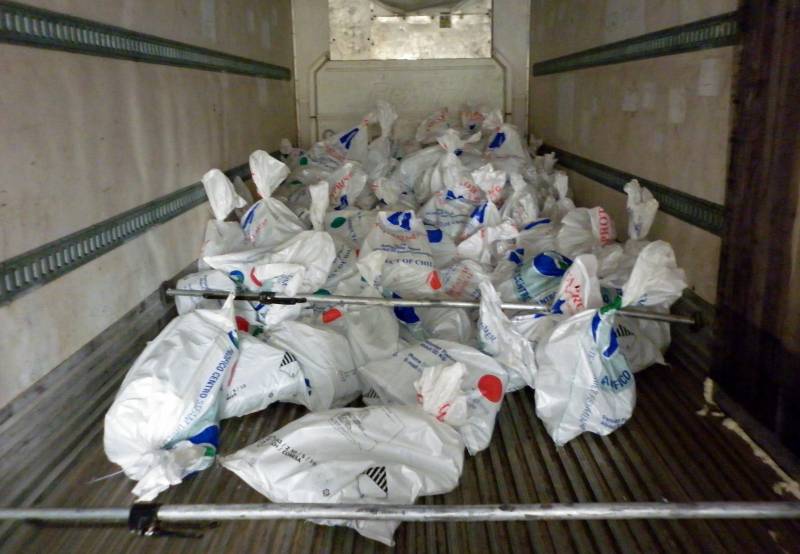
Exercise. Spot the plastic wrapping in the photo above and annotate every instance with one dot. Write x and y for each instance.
(374, 455)
(391, 381)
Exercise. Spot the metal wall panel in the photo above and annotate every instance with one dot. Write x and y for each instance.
(414, 88)
(371, 30)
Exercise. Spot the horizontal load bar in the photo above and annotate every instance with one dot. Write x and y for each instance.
(270, 298)
(178, 513)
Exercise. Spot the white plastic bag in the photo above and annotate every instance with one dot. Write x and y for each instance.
(301, 264)
(561, 204)
(642, 208)
(351, 144)
(446, 212)
(579, 288)
(375, 455)
(439, 393)
(269, 222)
(306, 257)
(656, 279)
(537, 281)
(472, 117)
(320, 201)
(391, 381)
(443, 249)
(405, 179)
(449, 174)
(504, 141)
(202, 280)
(487, 236)
(347, 182)
(522, 207)
(583, 230)
(453, 324)
(492, 182)
(162, 425)
(433, 126)
(461, 280)
(585, 380)
(379, 153)
(221, 237)
(350, 226)
(372, 331)
(420, 324)
(656, 282)
(261, 376)
(221, 194)
(499, 339)
(409, 269)
(537, 236)
(326, 360)
(290, 154)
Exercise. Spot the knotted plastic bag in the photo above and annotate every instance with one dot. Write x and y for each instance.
(163, 423)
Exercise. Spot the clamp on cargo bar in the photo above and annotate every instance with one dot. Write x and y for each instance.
(143, 521)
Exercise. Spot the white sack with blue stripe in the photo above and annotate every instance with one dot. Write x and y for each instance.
(163, 423)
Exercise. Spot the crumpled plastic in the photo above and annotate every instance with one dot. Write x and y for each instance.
(221, 194)
(269, 222)
(391, 381)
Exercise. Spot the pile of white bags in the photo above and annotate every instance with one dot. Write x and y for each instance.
(459, 211)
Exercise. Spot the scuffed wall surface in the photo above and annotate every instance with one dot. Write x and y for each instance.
(255, 29)
(44, 327)
(84, 138)
(666, 119)
(510, 45)
(562, 27)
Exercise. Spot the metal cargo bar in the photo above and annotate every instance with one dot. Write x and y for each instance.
(178, 513)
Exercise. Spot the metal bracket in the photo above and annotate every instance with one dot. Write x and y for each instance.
(143, 521)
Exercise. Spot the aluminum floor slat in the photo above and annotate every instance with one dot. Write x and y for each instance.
(669, 451)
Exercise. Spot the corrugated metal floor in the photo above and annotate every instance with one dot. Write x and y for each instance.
(667, 452)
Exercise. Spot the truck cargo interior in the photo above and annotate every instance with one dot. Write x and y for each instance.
(400, 275)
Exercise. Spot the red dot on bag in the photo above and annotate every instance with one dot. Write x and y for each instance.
(491, 387)
(242, 324)
(434, 281)
(331, 315)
